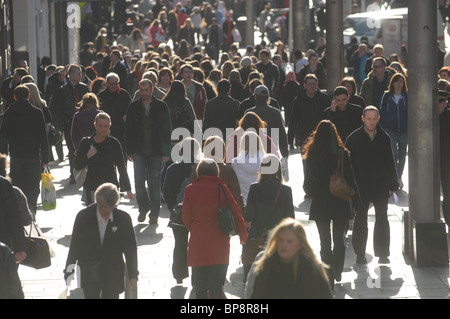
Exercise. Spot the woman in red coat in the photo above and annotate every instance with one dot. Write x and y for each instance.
(209, 247)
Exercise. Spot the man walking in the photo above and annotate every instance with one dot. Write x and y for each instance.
(221, 112)
(194, 90)
(345, 116)
(308, 110)
(23, 131)
(376, 83)
(147, 135)
(114, 100)
(376, 176)
(102, 236)
(269, 70)
(64, 104)
(272, 117)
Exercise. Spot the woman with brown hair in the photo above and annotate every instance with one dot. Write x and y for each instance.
(321, 153)
(83, 119)
(249, 121)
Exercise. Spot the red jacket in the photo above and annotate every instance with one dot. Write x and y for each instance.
(207, 244)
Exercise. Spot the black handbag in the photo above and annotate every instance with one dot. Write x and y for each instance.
(226, 218)
(37, 250)
(176, 216)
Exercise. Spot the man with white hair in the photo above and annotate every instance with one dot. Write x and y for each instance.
(102, 235)
(114, 100)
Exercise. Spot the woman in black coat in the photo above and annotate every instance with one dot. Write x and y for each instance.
(321, 156)
(268, 201)
(101, 153)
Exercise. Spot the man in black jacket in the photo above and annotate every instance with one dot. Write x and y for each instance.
(9, 84)
(23, 131)
(308, 110)
(114, 100)
(119, 67)
(272, 117)
(64, 104)
(345, 116)
(375, 173)
(250, 102)
(269, 70)
(102, 235)
(148, 137)
(221, 112)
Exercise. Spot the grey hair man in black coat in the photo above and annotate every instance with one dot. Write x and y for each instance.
(102, 235)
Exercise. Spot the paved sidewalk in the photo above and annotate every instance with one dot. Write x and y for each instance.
(398, 280)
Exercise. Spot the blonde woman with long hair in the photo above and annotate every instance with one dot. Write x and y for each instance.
(37, 101)
(288, 268)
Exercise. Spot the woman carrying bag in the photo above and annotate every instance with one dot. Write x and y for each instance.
(321, 153)
(268, 203)
(101, 153)
(209, 247)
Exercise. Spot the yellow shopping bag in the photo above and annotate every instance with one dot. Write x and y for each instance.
(48, 192)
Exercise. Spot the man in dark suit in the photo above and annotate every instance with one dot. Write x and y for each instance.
(23, 134)
(376, 176)
(345, 116)
(221, 112)
(64, 105)
(119, 67)
(101, 235)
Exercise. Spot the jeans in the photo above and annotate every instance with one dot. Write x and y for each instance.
(381, 232)
(209, 278)
(334, 257)
(26, 173)
(399, 142)
(148, 169)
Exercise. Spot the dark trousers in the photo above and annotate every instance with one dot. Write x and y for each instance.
(179, 264)
(69, 144)
(97, 292)
(332, 253)
(26, 173)
(381, 232)
(445, 183)
(209, 279)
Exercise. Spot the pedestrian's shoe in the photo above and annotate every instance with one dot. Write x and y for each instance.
(361, 259)
(153, 220)
(338, 277)
(384, 260)
(72, 180)
(141, 217)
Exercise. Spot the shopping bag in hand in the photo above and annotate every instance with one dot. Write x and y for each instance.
(48, 192)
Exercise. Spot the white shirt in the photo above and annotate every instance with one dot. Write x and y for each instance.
(102, 224)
